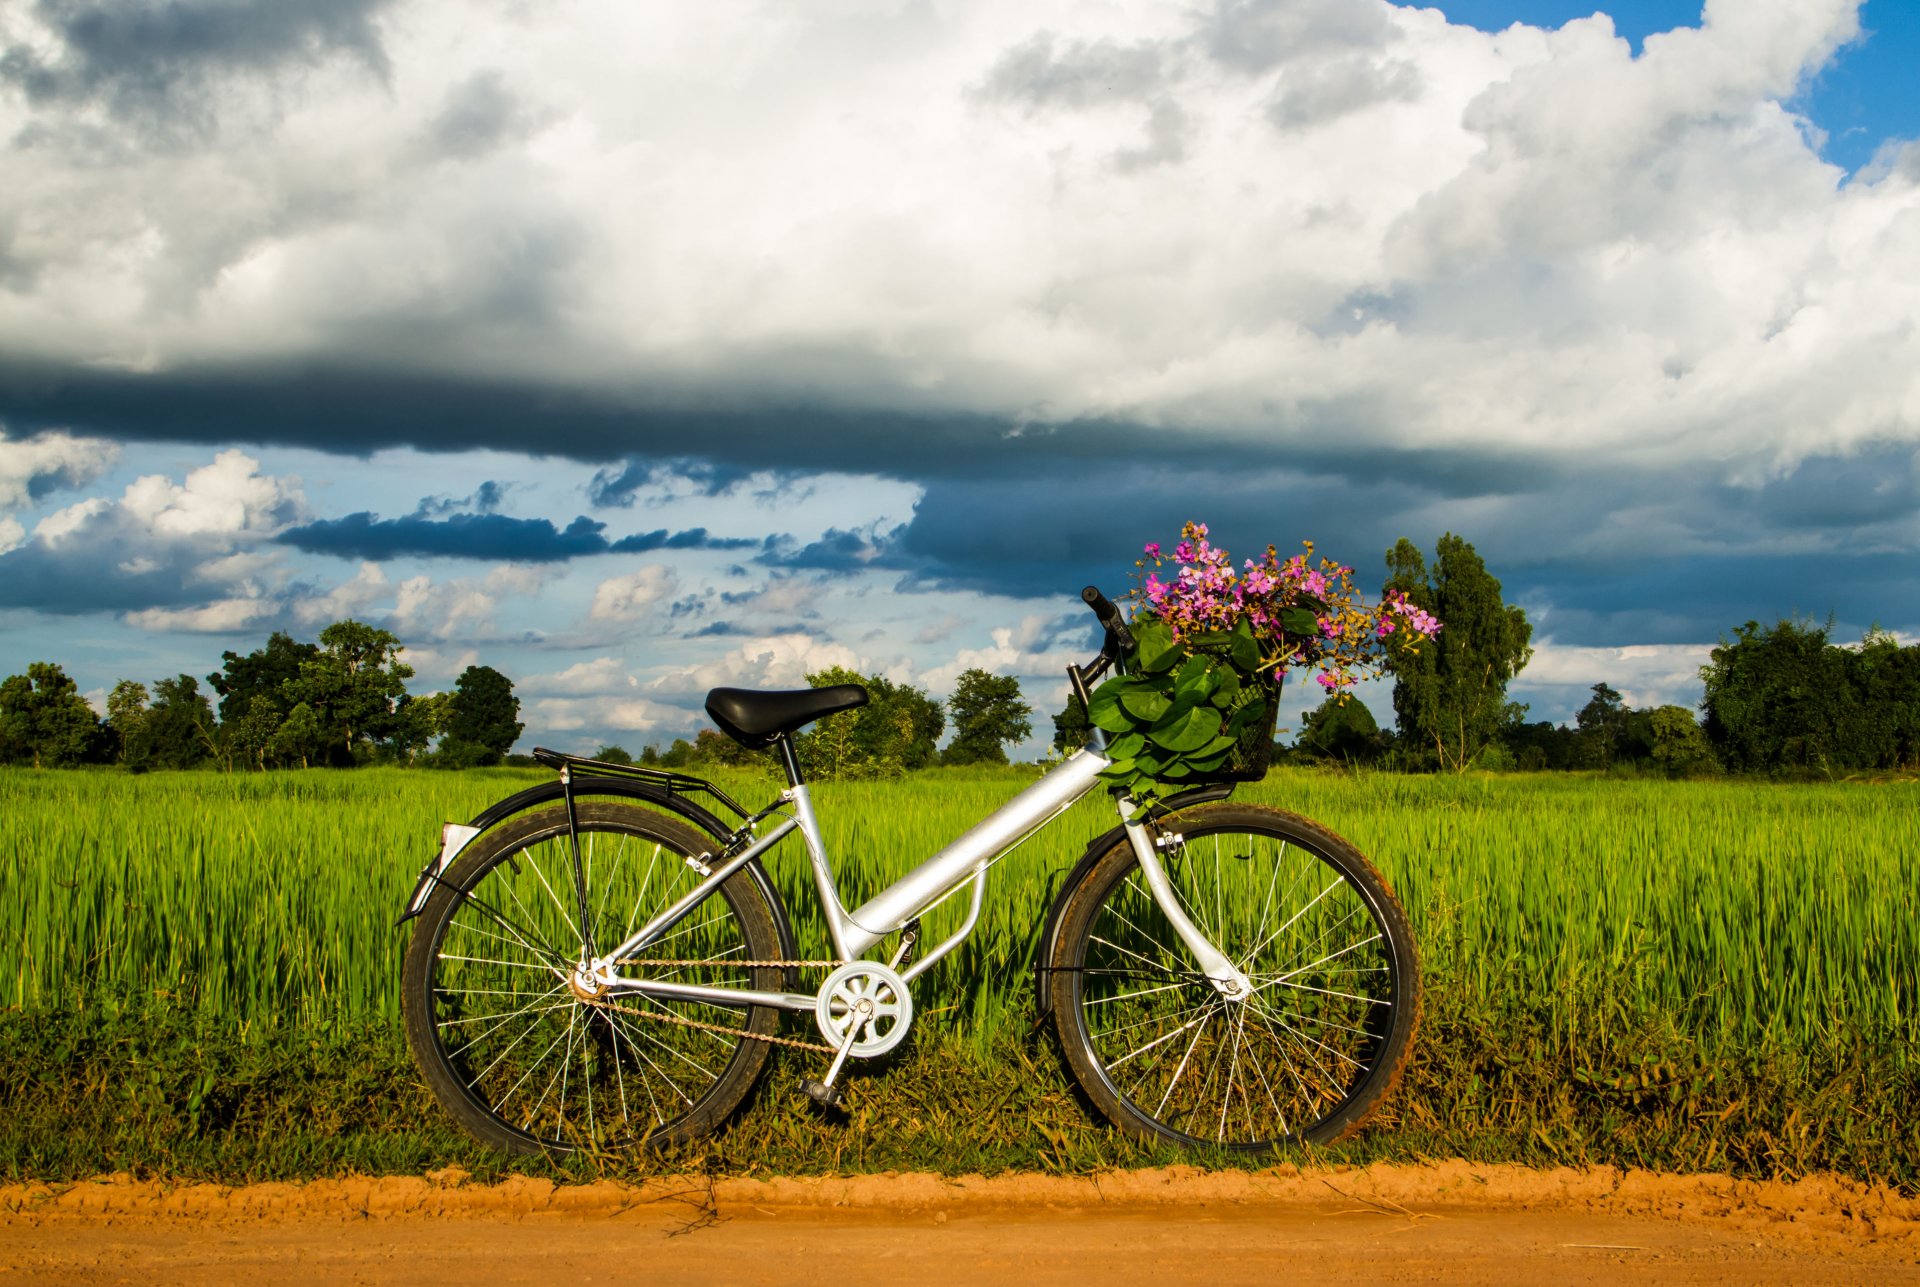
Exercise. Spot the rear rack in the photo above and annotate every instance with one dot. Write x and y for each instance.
(672, 783)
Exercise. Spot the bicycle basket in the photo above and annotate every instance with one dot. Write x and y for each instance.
(1253, 753)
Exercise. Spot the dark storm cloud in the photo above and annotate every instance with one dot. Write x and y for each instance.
(152, 65)
(614, 487)
(359, 411)
(487, 536)
(78, 580)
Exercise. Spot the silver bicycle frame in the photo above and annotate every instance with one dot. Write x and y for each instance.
(965, 860)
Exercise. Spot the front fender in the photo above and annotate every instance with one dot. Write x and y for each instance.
(1050, 929)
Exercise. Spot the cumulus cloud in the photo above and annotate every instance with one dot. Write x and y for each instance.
(634, 595)
(160, 544)
(34, 467)
(770, 661)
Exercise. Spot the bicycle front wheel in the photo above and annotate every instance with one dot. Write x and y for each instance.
(1308, 1055)
(522, 1059)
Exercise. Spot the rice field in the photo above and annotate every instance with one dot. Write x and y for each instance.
(1749, 913)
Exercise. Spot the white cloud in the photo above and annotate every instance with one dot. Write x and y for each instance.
(11, 534)
(1353, 212)
(1015, 650)
(353, 598)
(627, 715)
(634, 595)
(224, 616)
(432, 665)
(47, 461)
(770, 661)
(1643, 674)
(600, 676)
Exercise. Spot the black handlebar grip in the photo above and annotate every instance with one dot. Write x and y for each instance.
(1109, 617)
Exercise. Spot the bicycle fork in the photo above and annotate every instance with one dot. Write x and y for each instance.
(1227, 980)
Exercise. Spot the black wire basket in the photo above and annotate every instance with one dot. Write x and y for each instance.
(1252, 754)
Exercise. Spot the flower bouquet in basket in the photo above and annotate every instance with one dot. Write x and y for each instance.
(1198, 697)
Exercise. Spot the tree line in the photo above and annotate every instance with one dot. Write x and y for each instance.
(343, 700)
(337, 702)
(1778, 699)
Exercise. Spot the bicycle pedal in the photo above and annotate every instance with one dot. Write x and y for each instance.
(824, 1095)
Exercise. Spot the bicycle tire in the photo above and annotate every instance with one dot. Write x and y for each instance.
(1329, 1027)
(522, 1062)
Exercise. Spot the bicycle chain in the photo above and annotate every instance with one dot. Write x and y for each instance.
(680, 1022)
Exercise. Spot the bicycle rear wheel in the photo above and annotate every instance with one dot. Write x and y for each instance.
(1315, 1048)
(525, 1063)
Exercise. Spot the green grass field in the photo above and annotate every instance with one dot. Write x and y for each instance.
(1719, 975)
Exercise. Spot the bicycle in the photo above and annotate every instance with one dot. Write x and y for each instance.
(601, 962)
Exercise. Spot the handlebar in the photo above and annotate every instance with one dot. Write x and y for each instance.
(1119, 638)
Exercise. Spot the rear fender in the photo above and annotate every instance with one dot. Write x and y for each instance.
(455, 837)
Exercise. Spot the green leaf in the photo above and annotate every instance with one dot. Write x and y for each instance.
(1186, 729)
(1245, 648)
(1226, 688)
(1300, 621)
(1144, 703)
(1103, 706)
(1193, 681)
(1246, 717)
(1126, 746)
(1155, 650)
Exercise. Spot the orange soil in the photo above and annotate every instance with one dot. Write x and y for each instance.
(1452, 1222)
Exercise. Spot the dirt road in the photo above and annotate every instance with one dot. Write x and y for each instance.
(1447, 1223)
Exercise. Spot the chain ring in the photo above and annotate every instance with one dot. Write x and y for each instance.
(845, 988)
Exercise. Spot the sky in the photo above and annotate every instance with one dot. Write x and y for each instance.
(635, 349)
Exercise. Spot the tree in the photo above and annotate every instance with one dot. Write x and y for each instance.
(1451, 694)
(613, 755)
(483, 715)
(1786, 698)
(1679, 743)
(352, 685)
(987, 714)
(268, 672)
(895, 731)
(1603, 727)
(43, 718)
(126, 718)
(177, 732)
(1071, 731)
(252, 734)
(299, 736)
(1343, 729)
(416, 722)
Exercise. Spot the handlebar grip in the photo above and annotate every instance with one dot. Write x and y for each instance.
(1109, 617)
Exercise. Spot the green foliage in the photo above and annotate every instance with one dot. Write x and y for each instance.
(613, 755)
(1181, 710)
(352, 685)
(988, 713)
(1679, 743)
(267, 672)
(1341, 729)
(482, 721)
(177, 731)
(1450, 695)
(1071, 730)
(894, 732)
(45, 721)
(1785, 699)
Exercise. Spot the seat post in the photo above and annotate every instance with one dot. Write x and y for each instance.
(788, 760)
